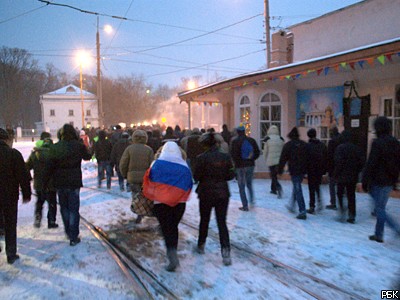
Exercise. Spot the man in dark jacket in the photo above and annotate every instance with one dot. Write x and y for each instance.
(65, 168)
(102, 151)
(332, 145)
(116, 154)
(244, 166)
(316, 168)
(37, 162)
(381, 174)
(294, 153)
(349, 161)
(193, 148)
(213, 169)
(13, 175)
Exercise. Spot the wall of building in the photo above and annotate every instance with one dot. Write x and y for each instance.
(362, 24)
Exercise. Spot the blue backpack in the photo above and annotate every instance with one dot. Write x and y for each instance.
(247, 150)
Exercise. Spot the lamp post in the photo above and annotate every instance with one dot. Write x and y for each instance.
(83, 58)
(108, 29)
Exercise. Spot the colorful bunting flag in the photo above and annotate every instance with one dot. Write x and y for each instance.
(351, 64)
(381, 59)
(361, 63)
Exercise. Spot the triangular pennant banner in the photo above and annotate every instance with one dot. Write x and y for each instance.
(361, 63)
(351, 64)
(343, 64)
(298, 76)
(326, 70)
(381, 59)
(370, 61)
(319, 71)
(389, 56)
(336, 68)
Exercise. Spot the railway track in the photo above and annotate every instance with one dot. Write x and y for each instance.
(153, 288)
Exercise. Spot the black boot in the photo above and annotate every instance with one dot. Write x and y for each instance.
(173, 260)
(226, 256)
(38, 220)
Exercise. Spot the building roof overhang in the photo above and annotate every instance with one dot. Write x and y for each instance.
(373, 53)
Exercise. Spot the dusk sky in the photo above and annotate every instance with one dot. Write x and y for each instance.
(162, 40)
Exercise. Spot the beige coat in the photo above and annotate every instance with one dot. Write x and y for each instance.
(136, 158)
(273, 146)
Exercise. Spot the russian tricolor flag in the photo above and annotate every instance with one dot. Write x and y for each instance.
(167, 182)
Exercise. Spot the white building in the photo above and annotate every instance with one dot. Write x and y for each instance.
(65, 105)
(342, 69)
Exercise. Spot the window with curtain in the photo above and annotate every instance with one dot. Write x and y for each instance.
(270, 113)
(244, 108)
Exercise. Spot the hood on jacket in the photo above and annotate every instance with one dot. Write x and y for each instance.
(273, 130)
(139, 137)
(294, 134)
(382, 126)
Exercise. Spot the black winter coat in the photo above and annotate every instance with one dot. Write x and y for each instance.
(64, 165)
(235, 151)
(117, 151)
(37, 162)
(383, 166)
(213, 169)
(317, 158)
(102, 150)
(349, 161)
(332, 145)
(294, 153)
(13, 175)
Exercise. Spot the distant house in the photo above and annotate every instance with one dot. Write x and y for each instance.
(65, 106)
(341, 69)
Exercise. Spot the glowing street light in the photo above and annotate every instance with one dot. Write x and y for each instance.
(83, 59)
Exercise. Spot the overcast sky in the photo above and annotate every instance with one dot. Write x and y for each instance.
(162, 40)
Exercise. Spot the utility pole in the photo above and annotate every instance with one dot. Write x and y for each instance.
(267, 32)
(99, 89)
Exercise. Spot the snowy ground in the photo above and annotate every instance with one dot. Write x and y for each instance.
(336, 252)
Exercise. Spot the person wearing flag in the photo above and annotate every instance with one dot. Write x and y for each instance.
(168, 182)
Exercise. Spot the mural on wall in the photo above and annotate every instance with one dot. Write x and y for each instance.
(320, 108)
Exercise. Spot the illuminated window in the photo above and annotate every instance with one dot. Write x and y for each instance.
(244, 108)
(270, 113)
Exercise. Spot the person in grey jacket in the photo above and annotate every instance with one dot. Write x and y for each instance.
(273, 145)
(134, 162)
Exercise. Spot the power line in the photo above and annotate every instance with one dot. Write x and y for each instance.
(20, 15)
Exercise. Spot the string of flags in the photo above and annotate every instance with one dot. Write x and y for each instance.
(371, 61)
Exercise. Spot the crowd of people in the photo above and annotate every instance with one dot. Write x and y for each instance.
(166, 165)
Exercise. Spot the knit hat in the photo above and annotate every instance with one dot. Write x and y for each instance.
(294, 133)
(45, 135)
(311, 133)
(3, 134)
(240, 127)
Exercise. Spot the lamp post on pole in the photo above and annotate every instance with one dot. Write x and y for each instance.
(99, 87)
(82, 104)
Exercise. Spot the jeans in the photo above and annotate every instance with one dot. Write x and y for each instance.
(121, 178)
(221, 209)
(298, 193)
(245, 178)
(51, 198)
(69, 207)
(314, 184)
(275, 185)
(101, 166)
(332, 190)
(380, 194)
(350, 188)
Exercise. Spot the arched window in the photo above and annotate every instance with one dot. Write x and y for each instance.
(270, 113)
(244, 107)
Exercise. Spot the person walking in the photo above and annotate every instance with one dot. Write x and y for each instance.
(116, 154)
(193, 148)
(134, 162)
(168, 182)
(381, 174)
(332, 145)
(226, 134)
(273, 145)
(37, 161)
(294, 153)
(13, 175)
(349, 161)
(213, 170)
(244, 151)
(102, 151)
(316, 168)
(64, 167)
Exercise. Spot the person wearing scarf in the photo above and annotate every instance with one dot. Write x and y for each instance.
(168, 182)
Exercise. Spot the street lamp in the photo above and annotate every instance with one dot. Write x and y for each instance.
(107, 29)
(83, 59)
